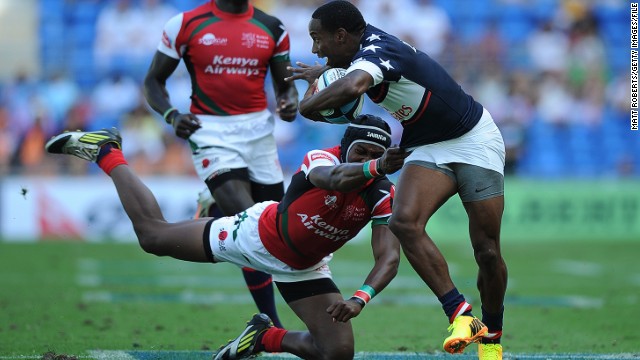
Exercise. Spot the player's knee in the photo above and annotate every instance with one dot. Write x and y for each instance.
(149, 240)
(487, 256)
(403, 226)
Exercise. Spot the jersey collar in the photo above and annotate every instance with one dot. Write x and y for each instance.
(230, 16)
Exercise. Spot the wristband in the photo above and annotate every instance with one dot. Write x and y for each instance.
(359, 301)
(365, 293)
(370, 169)
(167, 113)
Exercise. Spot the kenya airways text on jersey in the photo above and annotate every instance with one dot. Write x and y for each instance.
(227, 56)
(310, 223)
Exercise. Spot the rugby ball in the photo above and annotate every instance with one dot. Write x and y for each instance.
(345, 113)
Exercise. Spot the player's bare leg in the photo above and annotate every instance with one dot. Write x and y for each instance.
(421, 192)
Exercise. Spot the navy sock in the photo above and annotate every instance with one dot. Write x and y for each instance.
(104, 150)
(494, 323)
(454, 304)
(261, 287)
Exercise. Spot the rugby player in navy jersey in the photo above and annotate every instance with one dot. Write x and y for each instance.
(228, 47)
(455, 147)
(335, 193)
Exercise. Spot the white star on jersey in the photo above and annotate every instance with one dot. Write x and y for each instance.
(373, 37)
(371, 48)
(386, 63)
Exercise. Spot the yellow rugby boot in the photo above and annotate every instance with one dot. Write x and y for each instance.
(464, 331)
(489, 351)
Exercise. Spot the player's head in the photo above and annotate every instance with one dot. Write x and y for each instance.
(366, 138)
(335, 28)
(340, 14)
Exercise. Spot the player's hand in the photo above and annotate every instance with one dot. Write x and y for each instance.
(287, 108)
(392, 160)
(185, 124)
(308, 73)
(344, 310)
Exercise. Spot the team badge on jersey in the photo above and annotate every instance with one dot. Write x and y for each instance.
(330, 201)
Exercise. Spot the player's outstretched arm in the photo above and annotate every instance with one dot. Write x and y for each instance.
(386, 253)
(308, 73)
(348, 177)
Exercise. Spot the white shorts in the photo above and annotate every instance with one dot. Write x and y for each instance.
(235, 239)
(481, 146)
(237, 141)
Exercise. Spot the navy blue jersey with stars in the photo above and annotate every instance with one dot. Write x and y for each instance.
(415, 90)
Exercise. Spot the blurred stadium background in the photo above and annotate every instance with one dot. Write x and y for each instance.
(554, 74)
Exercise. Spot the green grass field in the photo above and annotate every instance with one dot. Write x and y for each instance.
(564, 297)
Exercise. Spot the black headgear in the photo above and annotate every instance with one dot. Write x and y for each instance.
(368, 129)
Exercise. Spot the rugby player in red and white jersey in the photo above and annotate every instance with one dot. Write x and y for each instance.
(335, 193)
(228, 46)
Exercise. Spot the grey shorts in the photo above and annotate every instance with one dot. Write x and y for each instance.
(474, 183)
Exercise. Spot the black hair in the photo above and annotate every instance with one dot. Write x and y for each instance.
(369, 129)
(340, 14)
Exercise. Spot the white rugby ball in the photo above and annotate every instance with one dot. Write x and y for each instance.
(345, 113)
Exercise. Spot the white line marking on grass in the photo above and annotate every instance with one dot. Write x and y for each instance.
(190, 355)
(578, 268)
(113, 355)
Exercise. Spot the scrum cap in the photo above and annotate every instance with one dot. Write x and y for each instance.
(368, 129)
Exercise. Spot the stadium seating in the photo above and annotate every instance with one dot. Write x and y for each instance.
(67, 32)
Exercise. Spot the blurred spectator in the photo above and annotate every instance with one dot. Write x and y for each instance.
(155, 14)
(587, 61)
(429, 31)
(31, 148)
(114, 96)
(617, 93)
(8, 142)
(516, 119)
(59, 93)
(144, 133)
(119, 42)
(555, 101)
(176, 159)
(568, 54)
(289, 12)
(490, 48)
(548, 49)
(20, 96)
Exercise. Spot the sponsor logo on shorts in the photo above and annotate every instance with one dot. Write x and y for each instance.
(222, 236)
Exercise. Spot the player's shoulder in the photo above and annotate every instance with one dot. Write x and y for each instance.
(196, 15)
(379, 40)
(330, 154)
(271, 22)
(199, 11)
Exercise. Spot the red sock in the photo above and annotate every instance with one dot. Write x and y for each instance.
(110, 160)
(272, 339)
